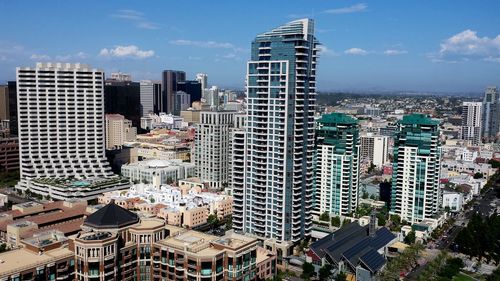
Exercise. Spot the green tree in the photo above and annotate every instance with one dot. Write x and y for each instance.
(335, 221)
(325, 272)
(410, 237)
(364, 195)
(478, 175)
(307, 271)
(341, 276)
(212, 219)
(381, 219)
(229, 222)
(3, 247)
(324, 217)
(170, 180)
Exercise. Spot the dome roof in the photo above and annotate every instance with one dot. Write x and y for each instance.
(157, 163)
(111, 216)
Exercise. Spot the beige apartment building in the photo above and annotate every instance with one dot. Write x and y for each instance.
(118, 131)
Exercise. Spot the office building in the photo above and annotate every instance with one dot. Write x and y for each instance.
(118, 131)
(121, 77)
(472, 122)
(65, 138)
(202, 78)
(212, 99)
(123, 97)
(168, 171)
(169, 86)
(9, 154)
(212, 147)
(416, 167)
(375, 149)
(150, 97)
(491, 113)
(192, 88)
(8, 107)
(273, 195)
(336, 187)
(182, 102)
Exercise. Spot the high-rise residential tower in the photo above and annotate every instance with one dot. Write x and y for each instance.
(336, 186)
(415, 192)
(170, 79)
(472, 122)
(212, 147)
(491, 113)
(273, 196)
(61, 121)
(118, 131)
(375, 149)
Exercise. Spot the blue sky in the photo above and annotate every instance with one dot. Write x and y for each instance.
(446, 45)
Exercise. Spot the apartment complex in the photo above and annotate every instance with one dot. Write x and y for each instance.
(491, 113)
(273, 185)
(336, 187)
(212, 147)
(375, 149)
(115, 244)
(472, 122)
(416, 167)
(118, 131)
(168, 171)
(61, 122)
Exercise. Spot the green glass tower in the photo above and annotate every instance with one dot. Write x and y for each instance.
(415, 191)
(336, 186)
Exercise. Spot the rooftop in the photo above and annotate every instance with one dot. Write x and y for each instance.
(418, 119)
(111, 216)
(22, 259)
(338, 118)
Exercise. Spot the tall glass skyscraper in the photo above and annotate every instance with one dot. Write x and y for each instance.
(273, 191)
(416, 166)
(491, 113)
(336, 187)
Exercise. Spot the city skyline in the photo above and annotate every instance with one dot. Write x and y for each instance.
(367, 46)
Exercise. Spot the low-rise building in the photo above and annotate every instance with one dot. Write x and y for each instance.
(73, 188)
(452, 199)
(168, 171)
(116, 244)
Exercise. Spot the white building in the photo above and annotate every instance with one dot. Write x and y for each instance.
(452, 199)
(472, 122)
(203, 79)
(120, 76)
(336, 186)
(168, 171)
(375, 149)
(61, 122)
(118, 131)
(212, 147)
(273, 193)
(416, 169)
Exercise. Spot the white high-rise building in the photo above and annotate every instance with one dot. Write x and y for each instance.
(472, 122)
(118, 131)
(203, 79)
(336, 185)
(120, 76)
(61, 122)
(212, 149)
(415, 191)
(375, 149)
(273, 190)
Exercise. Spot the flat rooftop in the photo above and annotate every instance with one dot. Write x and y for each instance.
(234, 241)
(192, 241)
(17, 260)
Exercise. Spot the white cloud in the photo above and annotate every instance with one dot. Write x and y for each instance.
(39, 57)
(394, 52)
(356, 52)
(468, 45)
(137, 18)
(202, 44)
(325, 51)
(126, 51)
(361, 7)
(492, 59)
